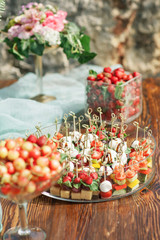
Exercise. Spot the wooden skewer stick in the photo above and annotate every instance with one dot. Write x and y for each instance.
(122, 121)
(99, 109)
(88, 115)
(76, 169)
(113, 119)
(56, 122)
(149, 133)
(145, 130)
(104, 172)
(95, 119)
(136, 124)
(74, 119)
(80, 119)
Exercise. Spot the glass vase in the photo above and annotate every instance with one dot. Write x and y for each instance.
(41, 97)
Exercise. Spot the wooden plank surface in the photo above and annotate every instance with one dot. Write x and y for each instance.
(133, 218)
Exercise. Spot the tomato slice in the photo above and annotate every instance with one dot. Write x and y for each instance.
(145, 171)
(120, 176)
(143, 164)
(148, 152)
(132, 154)
(96, 155)
(130, 173)
(134, 165)
(118, 168)
(119, 187)
(106, 194)
(96, 144)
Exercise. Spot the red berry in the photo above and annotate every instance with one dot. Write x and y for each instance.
(71, 174)
(125, 78)
(10, 167)
(88, 180)
(119, 103)
(108, 75)
(120, 69)
(100, 83)
(94, 175)
(114, 79)
(111, 89)
(100, 76)
(132, 111)
(78, 156)
(107, 80)
(118, 74)
(35, 153)
(129, 77)
(32, 138)
(91, 78)
(41, 140)
(77, 180)
(113, 130)
(107, 70)
(135, 74)
(66, 179)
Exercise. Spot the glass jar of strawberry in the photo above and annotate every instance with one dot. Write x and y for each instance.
(115, 91)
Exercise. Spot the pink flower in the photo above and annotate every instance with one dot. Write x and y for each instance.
(49, 13)
(26, 31)
(14, 31)
(54, 22)
(61, 14)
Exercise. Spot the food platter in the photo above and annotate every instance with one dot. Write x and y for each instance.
(131, 133)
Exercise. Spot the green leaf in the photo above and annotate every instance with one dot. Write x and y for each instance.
(118, 91)
(48, 135)
(68, 184)
(88, 88)
(86, 57)
(63, 157)
(36, 48)
(92, 73)
(76, 185)
(15, 52)
(23, 47)
(105, 92)
(93, 186)
(85, 40)
(60, 181)
(128, 150)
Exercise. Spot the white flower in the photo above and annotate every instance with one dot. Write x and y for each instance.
(49, 34)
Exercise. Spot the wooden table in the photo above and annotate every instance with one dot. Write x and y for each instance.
(134, 218)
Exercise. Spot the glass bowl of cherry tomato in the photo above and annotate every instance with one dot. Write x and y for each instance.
(115, 91)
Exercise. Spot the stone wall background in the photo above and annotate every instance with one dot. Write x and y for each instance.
(121, 31)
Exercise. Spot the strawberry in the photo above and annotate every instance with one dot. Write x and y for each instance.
(88, 180)
(66, 179)
(77, 180)
(96, 155)
(82, 175)
(94, 175)
(71, 174)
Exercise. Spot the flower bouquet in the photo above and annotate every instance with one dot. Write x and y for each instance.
(39, 26)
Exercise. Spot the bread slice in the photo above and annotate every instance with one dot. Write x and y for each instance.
(55, 191)
(76, 195)
(65, 194)
(86, 195)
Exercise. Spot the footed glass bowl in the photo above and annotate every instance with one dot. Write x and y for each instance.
(126, 175)
(27, 168)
